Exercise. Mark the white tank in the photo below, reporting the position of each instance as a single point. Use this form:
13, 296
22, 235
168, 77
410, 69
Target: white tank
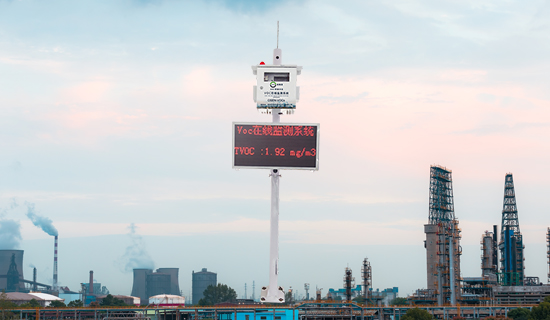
167, 300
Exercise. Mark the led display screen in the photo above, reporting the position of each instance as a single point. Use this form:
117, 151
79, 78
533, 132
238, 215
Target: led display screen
269, 145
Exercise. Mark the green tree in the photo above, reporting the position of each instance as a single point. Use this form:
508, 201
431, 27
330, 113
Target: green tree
110, 301
6, 304
542, 311
519, 314
217, 294
31, 304
57, 304
417, 314
399, 302
288, 297
75, 303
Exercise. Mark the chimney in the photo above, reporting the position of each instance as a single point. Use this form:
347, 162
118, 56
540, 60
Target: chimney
55, 265
91, 288
34, 286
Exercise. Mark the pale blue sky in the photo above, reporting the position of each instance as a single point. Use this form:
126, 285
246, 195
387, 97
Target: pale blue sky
114, 113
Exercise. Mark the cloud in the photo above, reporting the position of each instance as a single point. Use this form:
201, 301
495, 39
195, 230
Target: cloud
10, 234
341, 99
503, 129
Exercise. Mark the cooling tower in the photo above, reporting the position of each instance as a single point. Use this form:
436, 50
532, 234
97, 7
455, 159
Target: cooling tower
158, 283
5, 260
174, 279
139, 289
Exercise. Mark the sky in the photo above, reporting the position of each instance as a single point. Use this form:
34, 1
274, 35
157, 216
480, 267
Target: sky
115, 130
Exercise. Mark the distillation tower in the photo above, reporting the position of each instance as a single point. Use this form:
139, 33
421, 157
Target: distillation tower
443, 239
489, 254
349, 283
366, 274
511, 241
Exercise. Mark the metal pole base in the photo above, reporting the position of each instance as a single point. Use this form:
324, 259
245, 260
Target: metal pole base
274, 295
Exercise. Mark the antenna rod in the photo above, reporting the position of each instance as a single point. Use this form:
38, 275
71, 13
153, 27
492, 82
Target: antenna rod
277, 34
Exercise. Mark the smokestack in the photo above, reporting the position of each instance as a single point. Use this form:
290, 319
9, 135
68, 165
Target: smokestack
91, 288
55, 265
34, 286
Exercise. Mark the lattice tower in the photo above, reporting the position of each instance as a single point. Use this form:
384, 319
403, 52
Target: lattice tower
441, 196
509, 209
511, 240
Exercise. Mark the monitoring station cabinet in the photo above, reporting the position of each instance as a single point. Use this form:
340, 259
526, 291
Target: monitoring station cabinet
276, 87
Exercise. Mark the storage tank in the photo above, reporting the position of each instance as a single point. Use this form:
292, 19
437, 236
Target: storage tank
5, 260
167, 300
201, 281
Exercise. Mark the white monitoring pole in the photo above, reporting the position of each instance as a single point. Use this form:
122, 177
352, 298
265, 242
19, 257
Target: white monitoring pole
275, 146
274, 293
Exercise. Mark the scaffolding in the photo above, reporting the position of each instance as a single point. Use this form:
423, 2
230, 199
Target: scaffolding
511, 241
478, 290
444, 267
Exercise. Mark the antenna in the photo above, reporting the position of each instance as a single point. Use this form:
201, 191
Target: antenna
277, 34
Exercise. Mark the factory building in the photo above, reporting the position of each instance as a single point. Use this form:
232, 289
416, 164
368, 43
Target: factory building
148, 283
201, 280
43, 299
442, 239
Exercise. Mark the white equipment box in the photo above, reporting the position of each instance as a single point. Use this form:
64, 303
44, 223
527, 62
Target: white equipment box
276, 87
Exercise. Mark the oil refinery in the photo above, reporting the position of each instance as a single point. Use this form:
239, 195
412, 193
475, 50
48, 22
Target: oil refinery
501, 281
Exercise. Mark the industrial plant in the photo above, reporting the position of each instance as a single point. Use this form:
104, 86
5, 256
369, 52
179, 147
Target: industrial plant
504, 285
501, 281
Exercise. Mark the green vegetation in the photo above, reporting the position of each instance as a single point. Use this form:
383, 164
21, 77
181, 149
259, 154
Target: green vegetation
57, 304
288, 297
5, 304
75, 304
399, 302
217, 294
519, 314
110, 301
540, 312
31, 304
417, 314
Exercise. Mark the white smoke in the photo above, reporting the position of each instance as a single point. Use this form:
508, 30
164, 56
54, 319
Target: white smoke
44, 223
136, 256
